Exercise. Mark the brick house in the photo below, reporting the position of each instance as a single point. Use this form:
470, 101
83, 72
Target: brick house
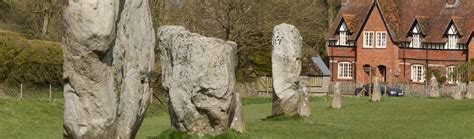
398, 40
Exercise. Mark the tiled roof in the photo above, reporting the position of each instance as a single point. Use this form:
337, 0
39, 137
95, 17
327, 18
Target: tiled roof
433, 18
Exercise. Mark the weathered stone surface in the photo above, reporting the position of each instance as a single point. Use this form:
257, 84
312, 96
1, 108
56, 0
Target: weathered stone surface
108, 57
461, 88
303, 108
286, 69
199, 78
434, 91
336, 98
470, 91
238, 116
377, 93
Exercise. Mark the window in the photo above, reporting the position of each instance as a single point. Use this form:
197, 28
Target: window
452, 38
343, 34
416, 42
418, 73
368, 39
381, 40
344, 70
449, 74
452, 41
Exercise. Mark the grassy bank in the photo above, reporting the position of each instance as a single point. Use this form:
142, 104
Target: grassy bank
403, 117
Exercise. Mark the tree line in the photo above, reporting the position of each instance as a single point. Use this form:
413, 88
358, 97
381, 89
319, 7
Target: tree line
249, 23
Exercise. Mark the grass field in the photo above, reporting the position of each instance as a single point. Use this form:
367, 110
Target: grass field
404, 117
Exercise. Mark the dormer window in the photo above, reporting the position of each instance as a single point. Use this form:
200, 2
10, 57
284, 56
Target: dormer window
343, 34
452, 38
416, 38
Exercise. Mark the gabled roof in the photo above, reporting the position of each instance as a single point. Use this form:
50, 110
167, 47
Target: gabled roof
354, 13
399, 16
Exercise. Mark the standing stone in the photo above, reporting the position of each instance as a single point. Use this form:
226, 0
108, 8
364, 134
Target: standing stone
304, 108
238, 116
336, 98
470, 91
286, 69
377, 93
434, 92
108, 56
460, 89
199, 78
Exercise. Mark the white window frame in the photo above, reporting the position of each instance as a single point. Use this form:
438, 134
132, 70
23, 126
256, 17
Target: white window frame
368, 39
343, 37
452, 41
418, 73
381, 39
452, 38
449, 71
416, 41
344, 70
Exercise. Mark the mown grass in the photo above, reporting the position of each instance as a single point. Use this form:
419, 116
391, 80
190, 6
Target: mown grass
402, 117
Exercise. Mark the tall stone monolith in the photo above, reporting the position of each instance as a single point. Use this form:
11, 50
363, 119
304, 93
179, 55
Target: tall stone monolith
199, 78
336, 98
470, 91
434, 91
460, 90
304, 108
286, 68
109, 54
377, 92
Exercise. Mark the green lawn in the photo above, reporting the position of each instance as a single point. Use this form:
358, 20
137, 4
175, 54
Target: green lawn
404, 117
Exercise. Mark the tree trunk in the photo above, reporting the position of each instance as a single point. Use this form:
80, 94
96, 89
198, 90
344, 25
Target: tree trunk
46, 19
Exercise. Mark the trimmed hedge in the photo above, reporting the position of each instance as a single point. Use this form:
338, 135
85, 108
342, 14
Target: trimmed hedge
29, 61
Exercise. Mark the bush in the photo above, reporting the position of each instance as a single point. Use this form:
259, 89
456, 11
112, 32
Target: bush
29, 61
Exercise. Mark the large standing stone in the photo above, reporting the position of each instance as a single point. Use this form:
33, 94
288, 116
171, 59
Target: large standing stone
377, 92
108, 57
470, 91
303, 108
336, 98
286, 69
460, 89
434, 92
199, 78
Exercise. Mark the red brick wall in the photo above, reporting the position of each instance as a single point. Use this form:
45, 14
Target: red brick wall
471, 49
374, 57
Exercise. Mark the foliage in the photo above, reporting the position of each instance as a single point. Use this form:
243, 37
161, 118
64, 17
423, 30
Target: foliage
35, 19
464, 72
440, 77
29, 61
249, 23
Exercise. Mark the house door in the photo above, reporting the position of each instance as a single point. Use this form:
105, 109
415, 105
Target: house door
382, 72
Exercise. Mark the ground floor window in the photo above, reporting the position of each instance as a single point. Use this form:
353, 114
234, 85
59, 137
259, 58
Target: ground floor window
449, 74
344, 70
418, 73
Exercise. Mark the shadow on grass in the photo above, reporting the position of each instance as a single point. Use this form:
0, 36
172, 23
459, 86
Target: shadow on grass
283, 117
173, 134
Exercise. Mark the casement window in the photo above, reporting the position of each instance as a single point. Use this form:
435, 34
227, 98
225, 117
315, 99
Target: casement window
343, 34
416, 41
452, 38
368, 39
344, 70
343, 38
381, 40
418, 73
452, 41
449, 74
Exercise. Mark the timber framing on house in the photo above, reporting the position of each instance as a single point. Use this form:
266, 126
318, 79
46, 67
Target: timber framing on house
399, 40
